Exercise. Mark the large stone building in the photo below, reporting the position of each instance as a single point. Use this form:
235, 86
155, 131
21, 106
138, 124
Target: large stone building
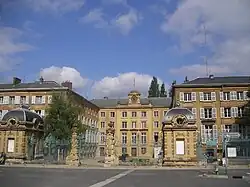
38, 96
216, 103
137, 121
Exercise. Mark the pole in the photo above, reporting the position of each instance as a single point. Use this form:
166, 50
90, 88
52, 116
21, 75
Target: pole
226, 162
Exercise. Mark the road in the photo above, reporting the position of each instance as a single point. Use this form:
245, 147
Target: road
48, 177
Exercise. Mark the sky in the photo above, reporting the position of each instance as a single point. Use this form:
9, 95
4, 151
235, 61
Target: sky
102, 46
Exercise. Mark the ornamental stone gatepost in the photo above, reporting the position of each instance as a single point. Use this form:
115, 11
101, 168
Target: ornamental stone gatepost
73, 157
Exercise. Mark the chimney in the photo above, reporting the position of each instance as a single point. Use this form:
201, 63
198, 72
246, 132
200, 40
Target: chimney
67, 84
105, 98
211, 76
16, 80
41, 80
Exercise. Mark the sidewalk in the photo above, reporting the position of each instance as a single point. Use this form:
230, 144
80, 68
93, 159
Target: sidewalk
54, 166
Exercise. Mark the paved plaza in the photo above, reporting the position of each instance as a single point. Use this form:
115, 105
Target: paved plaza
61, 177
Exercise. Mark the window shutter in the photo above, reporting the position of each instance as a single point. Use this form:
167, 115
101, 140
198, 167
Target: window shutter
49, 99
213, 96
33, 99
17, 100
245, 95
202, 113
222, 114
194, 111
181, 96
214, 113
193, 96
215, 133
201, 96
203, 138
27, 100
221, 96
43, 99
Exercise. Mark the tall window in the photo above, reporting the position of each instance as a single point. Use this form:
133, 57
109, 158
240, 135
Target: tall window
144, 138
133, 141
124, 125
102, 114
187, 96
133, 124
240, 95
207, 96
12, 100
134, 114
240, 111
143, 114
156, 113
124, 138
227, 112
124, 114
23, 99
208, 113
143, 124
103, 137
102, 124
156, 124
226, 96
112, 114
208, 132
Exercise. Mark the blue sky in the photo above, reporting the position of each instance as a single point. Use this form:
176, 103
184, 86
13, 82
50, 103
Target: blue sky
103, 45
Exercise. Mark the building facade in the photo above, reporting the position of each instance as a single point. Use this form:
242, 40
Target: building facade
216, 103
137, 123
38, 96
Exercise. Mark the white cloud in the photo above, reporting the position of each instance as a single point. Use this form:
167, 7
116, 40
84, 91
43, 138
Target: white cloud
121, 85
228, 30
55, 6
61, 74
124, 22
9, 47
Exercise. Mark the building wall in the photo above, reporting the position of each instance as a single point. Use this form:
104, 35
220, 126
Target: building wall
150, 128
40, 100
218, 107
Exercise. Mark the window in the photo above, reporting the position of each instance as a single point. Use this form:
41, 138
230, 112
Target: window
124, 114
112, 114
156, 113
207, 96
244, 131
102, 124
240, 111
134, 114
38, 112
209, 132
23, 99
12, 100
124, 138
103, 137
143, 138
102, 114
226, 96
240, 95
227, 128
124, 125
133, 124
38, 99
187, 96
143, 124
227, 112
156, 124
133, 138
143, 150
133, 151
102, 151
208, 113
124, 150
143, 114
1, 100
156, 136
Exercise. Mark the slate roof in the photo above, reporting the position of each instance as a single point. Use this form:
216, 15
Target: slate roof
112, 103
230, 80
33, 85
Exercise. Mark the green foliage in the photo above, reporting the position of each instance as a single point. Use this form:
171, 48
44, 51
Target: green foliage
154, 88
62, 116
163, 92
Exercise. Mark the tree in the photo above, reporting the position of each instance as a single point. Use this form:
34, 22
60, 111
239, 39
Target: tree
154, 88
62, 116
163, 92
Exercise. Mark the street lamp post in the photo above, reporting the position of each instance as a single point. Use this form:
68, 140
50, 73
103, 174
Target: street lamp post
138, 146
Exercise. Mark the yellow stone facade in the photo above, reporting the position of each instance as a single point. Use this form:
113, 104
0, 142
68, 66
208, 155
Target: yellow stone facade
38, 96
216, 104
137, 121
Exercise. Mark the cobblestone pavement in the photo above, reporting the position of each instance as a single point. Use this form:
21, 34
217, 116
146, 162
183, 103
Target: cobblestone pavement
61, 177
